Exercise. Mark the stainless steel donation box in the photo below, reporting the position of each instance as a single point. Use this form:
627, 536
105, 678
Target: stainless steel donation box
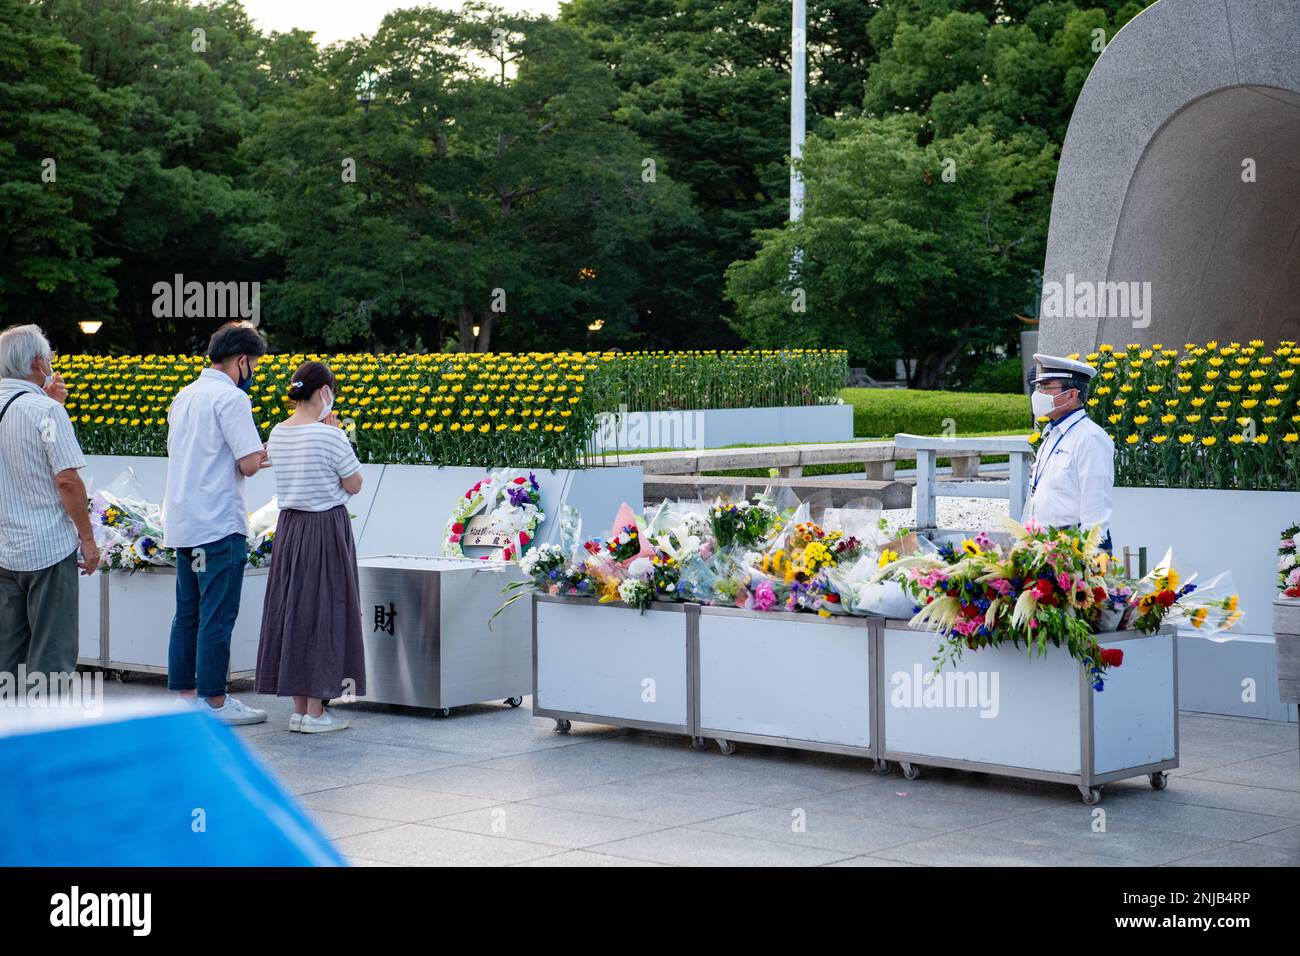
427, 634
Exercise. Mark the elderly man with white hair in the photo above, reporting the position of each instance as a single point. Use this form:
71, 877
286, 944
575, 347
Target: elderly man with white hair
44, 515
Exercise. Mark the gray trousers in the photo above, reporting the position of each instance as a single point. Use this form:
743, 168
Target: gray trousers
39, 623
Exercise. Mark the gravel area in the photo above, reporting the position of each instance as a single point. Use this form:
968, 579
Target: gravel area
958, 514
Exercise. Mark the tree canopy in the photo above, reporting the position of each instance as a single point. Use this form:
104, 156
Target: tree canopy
617, 176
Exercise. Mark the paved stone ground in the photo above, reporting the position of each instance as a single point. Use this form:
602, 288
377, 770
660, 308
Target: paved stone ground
491, 785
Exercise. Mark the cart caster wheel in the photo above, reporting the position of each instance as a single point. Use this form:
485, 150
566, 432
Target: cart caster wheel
1091, 795
1159, 780
882, 766
514, 701
726, 747
563, 726
442, 711
910, 771
699, 743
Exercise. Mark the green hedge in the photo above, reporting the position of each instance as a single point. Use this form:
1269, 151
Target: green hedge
884, 412
758, 378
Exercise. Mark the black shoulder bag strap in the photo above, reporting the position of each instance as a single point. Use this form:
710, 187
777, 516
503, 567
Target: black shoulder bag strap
8, 403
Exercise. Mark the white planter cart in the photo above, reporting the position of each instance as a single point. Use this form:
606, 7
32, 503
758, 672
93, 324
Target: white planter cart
787, 680
611, 664
1001, 711
135, 622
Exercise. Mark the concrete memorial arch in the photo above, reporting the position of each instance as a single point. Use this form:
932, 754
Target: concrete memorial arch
1179, 183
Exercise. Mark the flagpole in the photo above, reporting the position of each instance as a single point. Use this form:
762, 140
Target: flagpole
798, 89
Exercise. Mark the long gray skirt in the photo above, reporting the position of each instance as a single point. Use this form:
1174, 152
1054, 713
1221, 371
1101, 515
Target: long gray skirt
311, 642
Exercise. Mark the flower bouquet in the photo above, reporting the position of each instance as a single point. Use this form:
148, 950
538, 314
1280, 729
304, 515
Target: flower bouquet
1288, 564
128, 528
1049, 586
261, 533
748, 524
1163, 597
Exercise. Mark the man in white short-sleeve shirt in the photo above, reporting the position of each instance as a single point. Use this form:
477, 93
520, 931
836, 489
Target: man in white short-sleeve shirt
212, 446
44, 519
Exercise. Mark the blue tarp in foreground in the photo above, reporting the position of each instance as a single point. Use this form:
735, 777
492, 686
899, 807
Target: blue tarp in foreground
169, 789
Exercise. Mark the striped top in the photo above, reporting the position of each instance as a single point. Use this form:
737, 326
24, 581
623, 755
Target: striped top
308, 462
36, 443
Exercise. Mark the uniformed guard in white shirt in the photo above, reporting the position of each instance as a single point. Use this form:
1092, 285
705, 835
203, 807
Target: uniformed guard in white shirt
1073, 474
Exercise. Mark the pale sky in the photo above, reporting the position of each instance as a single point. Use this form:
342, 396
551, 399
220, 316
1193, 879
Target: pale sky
333, 20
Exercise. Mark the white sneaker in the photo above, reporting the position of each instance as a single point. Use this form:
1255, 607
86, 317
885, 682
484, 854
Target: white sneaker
322, 724
233, 712
295, 723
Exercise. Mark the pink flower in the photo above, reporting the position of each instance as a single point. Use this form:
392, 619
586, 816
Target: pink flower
1002, 586
764, 596
1033, 526
1033, 623
454, 538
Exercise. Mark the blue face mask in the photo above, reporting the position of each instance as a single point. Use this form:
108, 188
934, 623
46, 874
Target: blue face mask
245, 383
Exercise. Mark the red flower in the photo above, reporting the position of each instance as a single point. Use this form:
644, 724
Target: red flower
1099, 594
833, 598
1112, 656
523, 537
1166, 598
519, 481
458, 528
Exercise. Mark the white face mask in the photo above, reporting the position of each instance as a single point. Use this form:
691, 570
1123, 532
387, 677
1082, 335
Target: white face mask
326, 401
49, 377
1042, 404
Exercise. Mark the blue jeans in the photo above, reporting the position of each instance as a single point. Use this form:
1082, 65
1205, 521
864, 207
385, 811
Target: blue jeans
209, 582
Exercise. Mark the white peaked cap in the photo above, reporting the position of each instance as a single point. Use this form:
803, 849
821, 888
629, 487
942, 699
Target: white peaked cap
1055, 366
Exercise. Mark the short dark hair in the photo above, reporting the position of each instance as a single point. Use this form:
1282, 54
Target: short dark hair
310, 378
235, 338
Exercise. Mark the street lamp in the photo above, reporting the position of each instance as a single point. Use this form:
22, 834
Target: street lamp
88, 328
366, 88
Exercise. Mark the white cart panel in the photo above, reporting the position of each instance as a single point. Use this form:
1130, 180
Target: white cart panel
998, 706
785, 676
612, 661
1135, 717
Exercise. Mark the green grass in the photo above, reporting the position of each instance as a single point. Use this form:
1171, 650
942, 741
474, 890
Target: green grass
888, 411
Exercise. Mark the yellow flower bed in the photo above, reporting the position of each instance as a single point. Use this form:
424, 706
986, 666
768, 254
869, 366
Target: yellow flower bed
1201, 416
537, 409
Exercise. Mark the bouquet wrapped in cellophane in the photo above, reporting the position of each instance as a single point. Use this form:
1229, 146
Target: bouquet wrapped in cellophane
1047, 586
128, 528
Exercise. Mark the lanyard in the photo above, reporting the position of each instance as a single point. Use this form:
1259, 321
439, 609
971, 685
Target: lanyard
1040, 465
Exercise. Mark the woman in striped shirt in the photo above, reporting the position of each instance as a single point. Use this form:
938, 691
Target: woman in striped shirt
311, 646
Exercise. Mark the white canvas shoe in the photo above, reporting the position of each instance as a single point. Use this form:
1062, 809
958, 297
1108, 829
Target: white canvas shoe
233, 712
295, 723
322, 724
